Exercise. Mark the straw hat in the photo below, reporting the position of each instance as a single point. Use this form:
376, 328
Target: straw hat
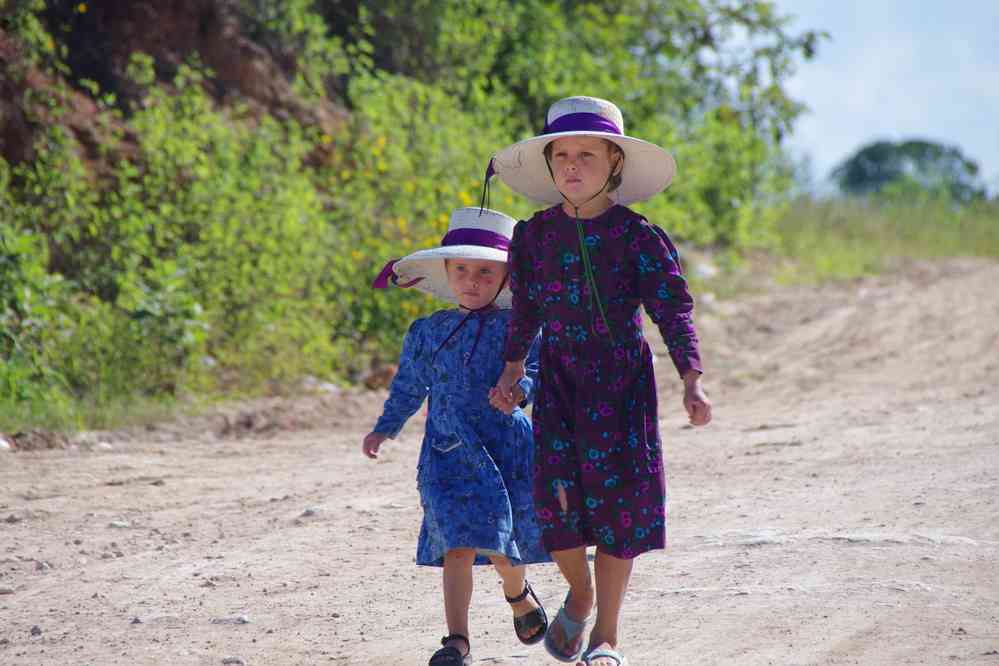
472, 233
648, 169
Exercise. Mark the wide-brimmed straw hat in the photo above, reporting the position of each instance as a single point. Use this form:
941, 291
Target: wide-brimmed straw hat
648, 169
472, 233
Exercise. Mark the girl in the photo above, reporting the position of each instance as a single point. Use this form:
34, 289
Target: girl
475, 463
582, 268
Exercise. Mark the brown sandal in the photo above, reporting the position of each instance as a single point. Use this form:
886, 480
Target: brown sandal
450, 655
535, 618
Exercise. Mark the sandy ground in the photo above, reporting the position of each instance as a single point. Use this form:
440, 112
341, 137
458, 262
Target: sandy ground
843, 508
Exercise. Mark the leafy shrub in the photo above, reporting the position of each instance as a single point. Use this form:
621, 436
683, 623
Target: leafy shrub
218, 249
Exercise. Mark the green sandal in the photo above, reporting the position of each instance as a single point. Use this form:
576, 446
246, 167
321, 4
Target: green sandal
571, 629
605, 653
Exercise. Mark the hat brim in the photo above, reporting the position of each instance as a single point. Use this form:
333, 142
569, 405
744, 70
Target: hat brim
429, 266
648, 169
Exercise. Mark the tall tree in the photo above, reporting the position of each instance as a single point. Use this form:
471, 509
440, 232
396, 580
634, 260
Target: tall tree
914, 164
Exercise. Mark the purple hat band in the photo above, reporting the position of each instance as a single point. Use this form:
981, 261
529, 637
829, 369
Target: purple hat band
478, 237
581, 122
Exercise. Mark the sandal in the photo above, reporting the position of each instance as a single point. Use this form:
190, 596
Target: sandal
571, 629
450, 655
534, 619
605, 653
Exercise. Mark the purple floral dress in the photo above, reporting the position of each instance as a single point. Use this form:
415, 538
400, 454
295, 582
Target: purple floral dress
596, 433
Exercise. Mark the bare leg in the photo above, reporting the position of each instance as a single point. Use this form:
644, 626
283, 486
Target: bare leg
612, 575
513, 584
576, 571
458, 593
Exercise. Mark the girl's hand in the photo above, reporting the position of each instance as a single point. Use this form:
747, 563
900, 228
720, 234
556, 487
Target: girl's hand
506, 404
513, 371
695, 401
372, 441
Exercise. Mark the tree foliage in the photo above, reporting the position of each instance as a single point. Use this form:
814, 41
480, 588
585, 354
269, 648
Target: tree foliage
201, 245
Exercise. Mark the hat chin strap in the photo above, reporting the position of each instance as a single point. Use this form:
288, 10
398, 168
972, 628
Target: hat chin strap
472, 311
576, 206
583, 252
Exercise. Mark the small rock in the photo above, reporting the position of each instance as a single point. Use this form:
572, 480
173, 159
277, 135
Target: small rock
12, 519
103, 446
705, 270
6, 590
5, 445
42, 565
39, 440
119, 524
240, 619
234, 661
311, 511
158, 482
136, 620
36, 630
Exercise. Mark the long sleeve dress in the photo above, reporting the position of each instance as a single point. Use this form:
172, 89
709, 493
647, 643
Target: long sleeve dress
599, 477
474, 470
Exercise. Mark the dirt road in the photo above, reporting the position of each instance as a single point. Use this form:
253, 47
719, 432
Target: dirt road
843, 508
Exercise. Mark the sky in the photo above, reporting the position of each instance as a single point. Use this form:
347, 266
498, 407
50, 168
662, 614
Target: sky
894, 70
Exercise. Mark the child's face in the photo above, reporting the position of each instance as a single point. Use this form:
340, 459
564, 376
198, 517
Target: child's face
581, 165
474, 282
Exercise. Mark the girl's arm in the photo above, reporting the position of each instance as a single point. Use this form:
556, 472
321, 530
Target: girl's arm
663, 291
526, 318
410, 386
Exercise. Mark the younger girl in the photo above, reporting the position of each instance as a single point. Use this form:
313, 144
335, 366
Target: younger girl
475, 463
582, 268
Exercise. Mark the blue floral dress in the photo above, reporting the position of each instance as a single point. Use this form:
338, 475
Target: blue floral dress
474, 471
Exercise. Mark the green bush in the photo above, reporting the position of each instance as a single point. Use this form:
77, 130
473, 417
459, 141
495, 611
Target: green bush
217, 249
